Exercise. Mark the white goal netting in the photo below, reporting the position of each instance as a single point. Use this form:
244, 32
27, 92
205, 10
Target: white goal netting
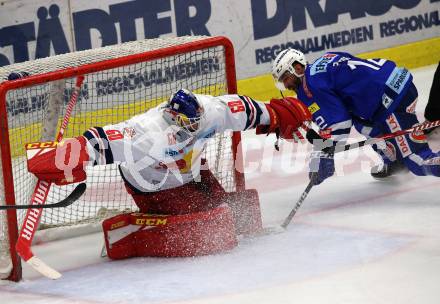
109, 94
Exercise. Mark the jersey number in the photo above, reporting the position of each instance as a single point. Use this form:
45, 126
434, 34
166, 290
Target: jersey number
375, 64
236, 106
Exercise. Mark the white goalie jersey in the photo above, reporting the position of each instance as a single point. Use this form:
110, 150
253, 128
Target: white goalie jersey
154, 155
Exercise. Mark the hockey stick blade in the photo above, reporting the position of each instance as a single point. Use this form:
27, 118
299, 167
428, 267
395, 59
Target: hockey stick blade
43, 268
269, 230
26, 235
73, 197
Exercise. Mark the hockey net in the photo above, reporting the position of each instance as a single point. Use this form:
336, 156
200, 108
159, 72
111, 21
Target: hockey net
120, 82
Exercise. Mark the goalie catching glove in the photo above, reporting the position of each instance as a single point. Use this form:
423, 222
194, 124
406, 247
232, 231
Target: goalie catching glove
288, 117
61, 163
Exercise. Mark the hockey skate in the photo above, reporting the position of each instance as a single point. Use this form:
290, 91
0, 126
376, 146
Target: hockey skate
384, 170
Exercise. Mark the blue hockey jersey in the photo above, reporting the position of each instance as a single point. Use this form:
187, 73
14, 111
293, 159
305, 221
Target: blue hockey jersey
341, 90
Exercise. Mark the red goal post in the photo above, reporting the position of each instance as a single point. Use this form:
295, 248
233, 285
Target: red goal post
120, 81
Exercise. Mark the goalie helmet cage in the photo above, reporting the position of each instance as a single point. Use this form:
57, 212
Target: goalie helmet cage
120, 81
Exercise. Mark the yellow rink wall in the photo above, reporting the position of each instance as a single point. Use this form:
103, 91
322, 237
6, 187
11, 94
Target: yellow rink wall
413, 55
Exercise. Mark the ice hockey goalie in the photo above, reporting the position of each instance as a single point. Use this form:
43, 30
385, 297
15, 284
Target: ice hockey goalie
183, 210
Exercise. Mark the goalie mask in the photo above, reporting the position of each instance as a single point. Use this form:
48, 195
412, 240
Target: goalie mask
284, 65
184, 110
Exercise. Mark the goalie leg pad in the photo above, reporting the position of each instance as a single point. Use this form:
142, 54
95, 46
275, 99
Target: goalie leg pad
200, 233
204, 196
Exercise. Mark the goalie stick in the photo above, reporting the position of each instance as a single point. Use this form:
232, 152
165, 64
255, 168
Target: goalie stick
73, 197
38, 198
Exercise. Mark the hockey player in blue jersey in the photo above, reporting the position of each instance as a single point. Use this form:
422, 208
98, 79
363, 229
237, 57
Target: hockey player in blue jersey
374, 95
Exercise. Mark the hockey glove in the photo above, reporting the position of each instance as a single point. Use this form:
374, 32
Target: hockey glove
321, 166
287, 117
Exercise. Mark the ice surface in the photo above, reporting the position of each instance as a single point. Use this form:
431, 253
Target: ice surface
354, 240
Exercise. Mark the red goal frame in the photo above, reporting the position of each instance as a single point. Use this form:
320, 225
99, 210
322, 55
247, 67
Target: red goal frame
231, 82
